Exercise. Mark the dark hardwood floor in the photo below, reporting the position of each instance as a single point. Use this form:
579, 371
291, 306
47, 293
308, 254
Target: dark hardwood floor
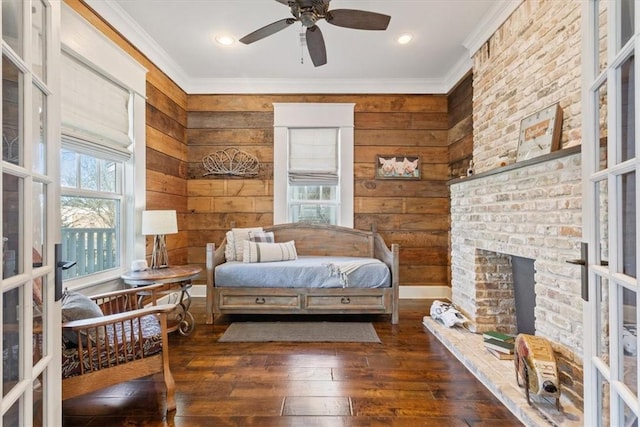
408, 380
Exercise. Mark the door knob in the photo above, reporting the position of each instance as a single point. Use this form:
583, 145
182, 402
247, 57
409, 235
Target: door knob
60, 265
584, 267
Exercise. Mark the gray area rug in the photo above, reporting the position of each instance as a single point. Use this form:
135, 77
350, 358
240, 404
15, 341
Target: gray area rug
300, 332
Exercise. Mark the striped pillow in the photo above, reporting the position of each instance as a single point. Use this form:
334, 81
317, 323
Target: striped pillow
268, 252
262, 236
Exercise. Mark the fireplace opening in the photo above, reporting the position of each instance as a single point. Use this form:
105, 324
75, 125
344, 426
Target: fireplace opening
524, 294
505, 292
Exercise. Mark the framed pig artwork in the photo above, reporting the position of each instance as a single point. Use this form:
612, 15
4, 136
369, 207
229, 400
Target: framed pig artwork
397, 167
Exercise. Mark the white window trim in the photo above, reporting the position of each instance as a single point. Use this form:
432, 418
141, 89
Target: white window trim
81, 40
313, 115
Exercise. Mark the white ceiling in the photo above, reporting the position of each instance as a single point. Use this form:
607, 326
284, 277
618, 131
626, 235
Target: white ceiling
178, 36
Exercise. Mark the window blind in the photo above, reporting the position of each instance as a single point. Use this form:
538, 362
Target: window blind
94, 108
313, 156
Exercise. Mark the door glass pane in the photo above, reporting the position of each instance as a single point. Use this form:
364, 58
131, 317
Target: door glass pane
602, 308
12, 212
602, 131
629, 341
627, 111
604, 402
39, 296
38, 401
628, 231
630, 418
626, 21
11, 339
38, 38
39, 134
12, 24
12, 417
39, 223
601, 26
12, 97
602, 194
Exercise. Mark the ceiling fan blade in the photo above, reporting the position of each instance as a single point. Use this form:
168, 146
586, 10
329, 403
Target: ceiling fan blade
267, 30
358, 19
315, 44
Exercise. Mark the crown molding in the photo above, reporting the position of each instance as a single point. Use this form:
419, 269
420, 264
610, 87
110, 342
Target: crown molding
493, 20
457, 73
318, 86
119, 19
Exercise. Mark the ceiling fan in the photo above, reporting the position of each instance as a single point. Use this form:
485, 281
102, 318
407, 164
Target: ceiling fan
308, 12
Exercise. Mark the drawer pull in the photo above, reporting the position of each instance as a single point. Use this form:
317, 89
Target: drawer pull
260, 300
345, 300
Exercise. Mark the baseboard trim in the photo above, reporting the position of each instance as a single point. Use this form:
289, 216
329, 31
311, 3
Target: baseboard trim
425, 292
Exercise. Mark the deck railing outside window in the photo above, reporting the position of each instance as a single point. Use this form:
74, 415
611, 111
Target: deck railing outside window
93, 249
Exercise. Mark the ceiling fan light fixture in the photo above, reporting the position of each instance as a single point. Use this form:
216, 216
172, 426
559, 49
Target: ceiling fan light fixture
308, 18
405, 38
225, 39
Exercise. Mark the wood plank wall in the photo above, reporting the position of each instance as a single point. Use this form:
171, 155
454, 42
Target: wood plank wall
414, 214
165, 138
460, 127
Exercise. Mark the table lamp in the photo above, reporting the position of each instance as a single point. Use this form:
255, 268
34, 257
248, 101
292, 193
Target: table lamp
158, 224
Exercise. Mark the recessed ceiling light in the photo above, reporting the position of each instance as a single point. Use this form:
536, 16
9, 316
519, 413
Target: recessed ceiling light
405, 38
225, 39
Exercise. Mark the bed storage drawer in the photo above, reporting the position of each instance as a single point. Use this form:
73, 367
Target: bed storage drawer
259, 301
346, 302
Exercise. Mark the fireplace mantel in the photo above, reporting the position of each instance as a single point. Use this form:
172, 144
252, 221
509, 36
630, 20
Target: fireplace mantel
541, 159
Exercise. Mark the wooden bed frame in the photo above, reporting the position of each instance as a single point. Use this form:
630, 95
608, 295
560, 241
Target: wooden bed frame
311, 239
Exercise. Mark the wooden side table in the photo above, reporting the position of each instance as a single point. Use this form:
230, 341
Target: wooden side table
178, 279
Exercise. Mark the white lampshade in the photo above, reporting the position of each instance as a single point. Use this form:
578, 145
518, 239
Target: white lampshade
159, 222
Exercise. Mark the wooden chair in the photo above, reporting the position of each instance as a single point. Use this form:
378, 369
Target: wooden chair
125, 344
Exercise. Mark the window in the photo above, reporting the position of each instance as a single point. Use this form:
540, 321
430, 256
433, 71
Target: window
102, 161
95, 151
91, 203
313, 163
314, 192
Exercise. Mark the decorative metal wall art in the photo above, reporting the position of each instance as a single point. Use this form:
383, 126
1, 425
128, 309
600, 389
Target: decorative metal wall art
230, 161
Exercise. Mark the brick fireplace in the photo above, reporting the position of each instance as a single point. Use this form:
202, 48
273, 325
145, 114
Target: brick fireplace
530, 209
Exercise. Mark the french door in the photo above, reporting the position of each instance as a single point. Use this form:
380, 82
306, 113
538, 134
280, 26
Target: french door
30, 148
610, 177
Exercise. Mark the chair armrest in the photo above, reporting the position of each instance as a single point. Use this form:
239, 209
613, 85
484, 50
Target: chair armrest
124, 300
126, 291
96, 322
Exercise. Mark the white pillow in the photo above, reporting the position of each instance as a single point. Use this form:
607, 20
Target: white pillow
235, 237
269, 252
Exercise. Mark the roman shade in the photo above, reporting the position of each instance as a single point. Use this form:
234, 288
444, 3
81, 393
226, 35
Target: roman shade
94, 109
313, 156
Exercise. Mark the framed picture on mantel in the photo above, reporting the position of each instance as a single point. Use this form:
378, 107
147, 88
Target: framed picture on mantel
540, 133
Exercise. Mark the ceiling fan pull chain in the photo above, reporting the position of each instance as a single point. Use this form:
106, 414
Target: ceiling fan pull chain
303, 44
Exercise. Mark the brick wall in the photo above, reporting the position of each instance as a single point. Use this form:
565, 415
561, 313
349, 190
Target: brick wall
531, 62
533, 211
